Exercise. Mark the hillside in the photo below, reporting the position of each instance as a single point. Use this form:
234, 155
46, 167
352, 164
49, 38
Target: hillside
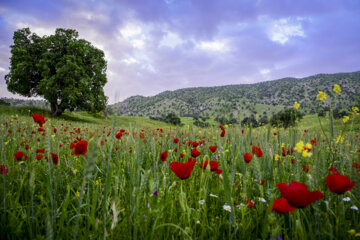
242, 100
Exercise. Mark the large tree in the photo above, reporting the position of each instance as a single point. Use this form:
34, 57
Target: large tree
68, 72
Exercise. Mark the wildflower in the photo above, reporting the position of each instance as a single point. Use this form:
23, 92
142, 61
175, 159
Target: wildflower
354, 207
38, 118
201, 202
213, 195
155, 192
227, 208
281, 205
332, 169
277, 157
21, 156
355, 110
352, 231
3, 170
339, 139
346, 199
195, 153
81, 148
118, 135
163, 156
321, 96
248, 157
195, 144
262, 200
257, 151
337, 89
39, 157
298, 195
77, 194
338, 183
213, 148
183, 170
249, 203
214, 166
345, 119
296, 105
176, 140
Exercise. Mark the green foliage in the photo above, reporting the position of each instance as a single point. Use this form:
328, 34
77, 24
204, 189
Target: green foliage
172, 118
66, 71
286, 118
250, 121
246, 99
340, 113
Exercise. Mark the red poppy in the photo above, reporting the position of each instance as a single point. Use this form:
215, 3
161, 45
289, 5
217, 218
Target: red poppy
38, 118
163, 156
275, 133
118, 135
195, 144
55, 158
183, 170
81, 148
39, 157
213, 165
257, 151
313, 142
3, 169
222, 133
195, 153
248, 157
338, 183
182, 155
298, 195
122, 130
281, 205
332, 169
213, 148
141, 135
249, 203
40, 129
176, 140
20, 155
40, 150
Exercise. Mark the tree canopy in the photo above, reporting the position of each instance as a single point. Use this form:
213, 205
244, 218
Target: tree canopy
68, 72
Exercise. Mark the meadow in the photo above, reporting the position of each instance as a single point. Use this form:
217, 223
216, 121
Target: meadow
85, 177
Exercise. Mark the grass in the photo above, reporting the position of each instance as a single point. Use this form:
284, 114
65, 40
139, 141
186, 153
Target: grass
109, 191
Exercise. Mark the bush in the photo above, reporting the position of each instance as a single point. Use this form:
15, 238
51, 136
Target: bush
250, 121
286, 118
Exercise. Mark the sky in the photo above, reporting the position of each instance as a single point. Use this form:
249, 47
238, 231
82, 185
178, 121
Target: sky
156, 45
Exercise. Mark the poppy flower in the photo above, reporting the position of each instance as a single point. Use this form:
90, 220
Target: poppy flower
248, 157
3, 169
249, 203
40, 150
195, 144
38, 118
176, 140
213, 148
281, 205
39, 157
163, 156
332, 169
81, 148
118, 136
298, 195
183, 170
20, 155
213, 165
195, 153
338, 183
257, 151
182, 155
55, 158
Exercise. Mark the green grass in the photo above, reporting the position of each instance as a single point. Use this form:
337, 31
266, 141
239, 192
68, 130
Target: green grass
108, 193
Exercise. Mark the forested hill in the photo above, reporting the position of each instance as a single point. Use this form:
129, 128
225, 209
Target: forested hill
263, 98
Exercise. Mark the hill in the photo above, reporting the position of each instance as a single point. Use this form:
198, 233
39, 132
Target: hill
238, 101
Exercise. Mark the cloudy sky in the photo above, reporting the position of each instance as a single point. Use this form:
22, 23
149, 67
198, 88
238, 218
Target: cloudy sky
157, 45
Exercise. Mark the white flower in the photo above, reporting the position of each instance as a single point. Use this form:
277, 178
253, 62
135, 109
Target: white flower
197, 222
227, 208
201, 202
346, 199
354, 208
240, 205
213, 195
262, 200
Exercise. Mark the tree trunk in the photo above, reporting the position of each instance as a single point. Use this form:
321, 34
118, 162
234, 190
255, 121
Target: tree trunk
55, 109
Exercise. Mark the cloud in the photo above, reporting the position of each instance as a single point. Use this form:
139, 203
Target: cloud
153, 46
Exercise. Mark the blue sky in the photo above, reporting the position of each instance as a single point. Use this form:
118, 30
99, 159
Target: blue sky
154, 45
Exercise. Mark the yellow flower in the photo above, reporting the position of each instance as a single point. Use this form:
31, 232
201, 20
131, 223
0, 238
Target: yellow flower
77, 194
96, 182
355, 110
345, 119
352, 231
299, 147
321, 96
169, 150
339, 139
357, 235
277, 157
296, 105
337, 89
306, 154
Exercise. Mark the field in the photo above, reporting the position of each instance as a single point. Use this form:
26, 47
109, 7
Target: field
123, 186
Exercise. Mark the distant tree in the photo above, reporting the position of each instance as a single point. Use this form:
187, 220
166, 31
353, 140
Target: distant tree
250, 121
4, 103
172, 118
66, 71
286, 118
340, 113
